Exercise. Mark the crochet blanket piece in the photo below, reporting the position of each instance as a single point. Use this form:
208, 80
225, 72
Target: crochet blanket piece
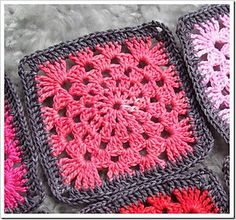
111, 106
205, 39
22, 190
198, 192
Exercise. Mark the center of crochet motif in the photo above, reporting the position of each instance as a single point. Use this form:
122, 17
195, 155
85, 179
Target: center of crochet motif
112, 110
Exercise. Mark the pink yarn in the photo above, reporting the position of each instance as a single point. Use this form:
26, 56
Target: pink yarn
118, 109
211, 44
14, 170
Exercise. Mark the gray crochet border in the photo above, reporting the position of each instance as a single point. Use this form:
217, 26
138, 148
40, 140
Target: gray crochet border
203, 179
28, 69
34, 194
226, 170
184, 28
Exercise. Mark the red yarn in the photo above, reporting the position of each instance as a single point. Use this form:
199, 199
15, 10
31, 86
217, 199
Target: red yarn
186, 201
113, 110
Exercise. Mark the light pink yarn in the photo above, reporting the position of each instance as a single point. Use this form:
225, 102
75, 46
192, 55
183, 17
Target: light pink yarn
211, 44
13, 169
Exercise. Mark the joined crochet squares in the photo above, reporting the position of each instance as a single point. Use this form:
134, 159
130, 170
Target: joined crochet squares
113, 110
211, 44
180, 201
14, 170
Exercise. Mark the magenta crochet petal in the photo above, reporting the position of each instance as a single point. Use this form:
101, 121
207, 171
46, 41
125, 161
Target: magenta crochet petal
22, 189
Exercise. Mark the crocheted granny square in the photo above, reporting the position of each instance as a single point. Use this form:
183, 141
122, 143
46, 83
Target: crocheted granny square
22, 189
204, 36
109, 107
198, 192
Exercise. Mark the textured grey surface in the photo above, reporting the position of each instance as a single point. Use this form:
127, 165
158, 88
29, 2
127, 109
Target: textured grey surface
32, 27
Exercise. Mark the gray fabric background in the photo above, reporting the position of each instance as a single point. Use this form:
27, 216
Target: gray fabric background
32, 27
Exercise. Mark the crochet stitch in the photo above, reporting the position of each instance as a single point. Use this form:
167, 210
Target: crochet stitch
13, 177
204, 36
112, 106
225, 170
198, 192
22, 189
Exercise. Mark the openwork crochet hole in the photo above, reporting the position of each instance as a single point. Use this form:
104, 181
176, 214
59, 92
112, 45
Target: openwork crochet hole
66, 85
143, 152
169, 107
103, 145
76, 119
76, 97
87, 156
163, 155
69, 64
222, 106
103, 173
203, 57
64, 154
115, 158
153, 99
216, 68
106, 73
145, 136
155, 119
115, 60
117, 105
181, 117
160, 83
135, 168
113, 132
165, 210
142, 64
62, 112
48, 102
86, 81
177, 90
70, 137
88, 67
125, 49
165, 134
218, 45
96, 52
144, 81
53, 130
127, 71
88, 104
225, 92
126, 145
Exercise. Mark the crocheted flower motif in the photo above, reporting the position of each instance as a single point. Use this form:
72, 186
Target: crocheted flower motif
211, 44
14, 170
180, 201
113, 110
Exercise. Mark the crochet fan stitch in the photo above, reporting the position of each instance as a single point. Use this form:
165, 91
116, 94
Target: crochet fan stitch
198, 192
22, 189
112, 106
204, 36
